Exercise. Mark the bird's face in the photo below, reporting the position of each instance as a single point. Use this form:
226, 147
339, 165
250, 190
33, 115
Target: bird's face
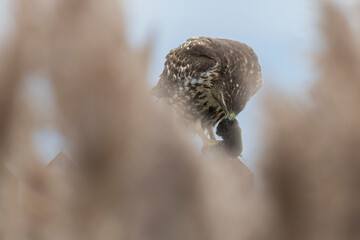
237, 76
231, 99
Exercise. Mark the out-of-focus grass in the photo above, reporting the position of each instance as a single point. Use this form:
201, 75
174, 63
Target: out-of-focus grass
134, 174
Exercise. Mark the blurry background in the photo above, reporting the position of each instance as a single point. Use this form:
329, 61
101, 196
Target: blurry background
67, 68
282, 33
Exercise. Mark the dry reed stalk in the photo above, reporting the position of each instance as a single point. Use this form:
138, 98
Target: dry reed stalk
136, 175
313, 152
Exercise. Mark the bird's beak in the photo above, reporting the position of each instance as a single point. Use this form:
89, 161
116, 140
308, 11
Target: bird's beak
232, 116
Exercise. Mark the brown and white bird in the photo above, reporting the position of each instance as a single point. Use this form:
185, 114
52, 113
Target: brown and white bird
209, 79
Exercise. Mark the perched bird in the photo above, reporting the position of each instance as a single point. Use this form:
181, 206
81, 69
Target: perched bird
209, 79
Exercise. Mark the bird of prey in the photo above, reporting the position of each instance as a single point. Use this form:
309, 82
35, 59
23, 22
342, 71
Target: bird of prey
208, 80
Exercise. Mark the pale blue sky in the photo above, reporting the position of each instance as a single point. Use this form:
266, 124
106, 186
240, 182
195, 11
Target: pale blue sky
282, 33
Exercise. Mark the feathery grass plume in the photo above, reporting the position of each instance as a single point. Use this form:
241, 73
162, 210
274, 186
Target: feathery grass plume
25, 200
313, 152
8, 84
12, 128
136, 175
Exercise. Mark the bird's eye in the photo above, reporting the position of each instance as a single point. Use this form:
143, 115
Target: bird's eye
201, 56
202, 62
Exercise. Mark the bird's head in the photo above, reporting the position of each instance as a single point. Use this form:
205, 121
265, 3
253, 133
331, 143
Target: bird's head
231, 101
239, 76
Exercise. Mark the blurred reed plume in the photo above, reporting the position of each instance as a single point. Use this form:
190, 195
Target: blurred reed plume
133, 174
313, 159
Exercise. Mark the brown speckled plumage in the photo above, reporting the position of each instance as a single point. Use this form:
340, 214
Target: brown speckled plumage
209, 78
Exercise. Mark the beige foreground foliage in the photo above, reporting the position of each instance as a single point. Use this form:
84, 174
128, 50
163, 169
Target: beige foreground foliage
133, 173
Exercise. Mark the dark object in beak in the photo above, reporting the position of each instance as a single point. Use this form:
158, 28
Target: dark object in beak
230, 132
